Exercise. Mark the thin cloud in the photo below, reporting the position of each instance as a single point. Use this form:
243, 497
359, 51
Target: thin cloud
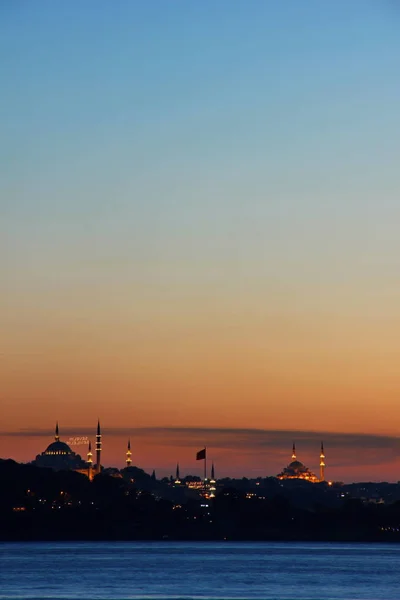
230, 437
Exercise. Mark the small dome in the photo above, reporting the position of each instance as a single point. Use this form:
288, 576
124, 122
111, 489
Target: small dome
58, 448
297, 465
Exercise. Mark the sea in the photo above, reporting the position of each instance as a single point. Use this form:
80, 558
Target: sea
220, 570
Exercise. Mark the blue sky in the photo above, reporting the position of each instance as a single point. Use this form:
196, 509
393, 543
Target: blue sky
160, 110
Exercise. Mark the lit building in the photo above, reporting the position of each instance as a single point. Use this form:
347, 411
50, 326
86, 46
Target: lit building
177, 476
296, 469
213, 483
129, 455
90, 461
322, 463
98, 448
206, 487
59, 456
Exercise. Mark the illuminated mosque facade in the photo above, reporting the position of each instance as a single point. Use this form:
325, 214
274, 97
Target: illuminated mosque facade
59, 457
296, 469
206, 488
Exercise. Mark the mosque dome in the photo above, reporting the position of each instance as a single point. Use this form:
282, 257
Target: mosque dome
296, 465
58, 448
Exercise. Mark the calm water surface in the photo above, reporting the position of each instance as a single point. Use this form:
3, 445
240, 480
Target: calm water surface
199, 570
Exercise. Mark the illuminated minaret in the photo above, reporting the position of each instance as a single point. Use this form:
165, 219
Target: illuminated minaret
294, 452
177, 478
129, 455
90, 460
322, 463
57, 437
177, 475
98, 448
212, 482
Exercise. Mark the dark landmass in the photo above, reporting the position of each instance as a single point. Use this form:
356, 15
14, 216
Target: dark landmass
41, 504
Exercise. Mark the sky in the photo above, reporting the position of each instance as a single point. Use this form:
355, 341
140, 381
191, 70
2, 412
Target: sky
199, 232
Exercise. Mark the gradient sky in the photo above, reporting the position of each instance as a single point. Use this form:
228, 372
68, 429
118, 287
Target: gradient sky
200, 229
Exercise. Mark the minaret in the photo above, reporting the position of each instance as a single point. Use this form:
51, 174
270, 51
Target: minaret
322, 463
57, 437
98, 448
129, 454
294, 452
212, 482
90, 461
177, 478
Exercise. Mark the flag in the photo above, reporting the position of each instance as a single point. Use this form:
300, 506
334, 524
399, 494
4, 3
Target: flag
201, 455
